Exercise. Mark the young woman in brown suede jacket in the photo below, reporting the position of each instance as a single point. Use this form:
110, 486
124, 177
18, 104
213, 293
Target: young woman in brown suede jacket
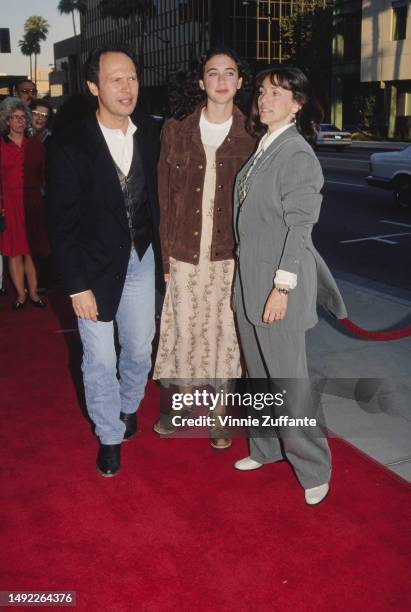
200, 157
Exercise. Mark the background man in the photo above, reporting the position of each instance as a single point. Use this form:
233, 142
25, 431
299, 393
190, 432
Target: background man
26, 91
102, 198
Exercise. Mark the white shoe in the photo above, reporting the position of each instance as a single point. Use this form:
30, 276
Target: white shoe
316, 494
247, 464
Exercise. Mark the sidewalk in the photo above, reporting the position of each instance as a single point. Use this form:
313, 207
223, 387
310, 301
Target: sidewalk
366, 398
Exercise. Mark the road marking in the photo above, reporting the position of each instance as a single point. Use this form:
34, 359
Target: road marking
348, 184
385, 241
377, 238
396, 223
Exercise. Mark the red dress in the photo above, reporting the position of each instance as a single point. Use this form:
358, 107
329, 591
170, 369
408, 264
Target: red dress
22, 178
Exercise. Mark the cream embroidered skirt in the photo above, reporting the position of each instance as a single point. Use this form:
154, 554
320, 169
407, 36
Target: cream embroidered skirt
198, 338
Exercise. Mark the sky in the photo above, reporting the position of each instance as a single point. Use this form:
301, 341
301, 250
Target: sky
13, 14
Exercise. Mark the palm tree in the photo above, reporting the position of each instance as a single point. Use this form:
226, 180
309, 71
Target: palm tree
27, 48
36, 28
67, 7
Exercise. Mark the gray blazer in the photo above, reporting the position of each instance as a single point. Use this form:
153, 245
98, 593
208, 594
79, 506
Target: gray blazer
273, 218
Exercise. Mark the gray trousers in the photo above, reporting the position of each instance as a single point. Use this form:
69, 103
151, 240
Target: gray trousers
277, 354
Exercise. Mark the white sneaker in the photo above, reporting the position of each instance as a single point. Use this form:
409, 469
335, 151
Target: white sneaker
247, 464
316, 494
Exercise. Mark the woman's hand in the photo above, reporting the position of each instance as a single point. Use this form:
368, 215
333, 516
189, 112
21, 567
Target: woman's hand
166, 278
275, 307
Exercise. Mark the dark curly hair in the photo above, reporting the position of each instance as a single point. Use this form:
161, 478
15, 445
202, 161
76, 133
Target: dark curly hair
74, 108
293, 79
185, 93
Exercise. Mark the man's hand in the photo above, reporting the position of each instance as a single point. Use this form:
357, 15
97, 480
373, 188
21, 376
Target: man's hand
275, 307
85, 305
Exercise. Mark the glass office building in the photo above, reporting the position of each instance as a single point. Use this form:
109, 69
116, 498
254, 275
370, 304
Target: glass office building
173, 33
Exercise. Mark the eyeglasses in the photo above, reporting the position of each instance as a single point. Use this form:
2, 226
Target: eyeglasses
35, 112
18, 117
28, 91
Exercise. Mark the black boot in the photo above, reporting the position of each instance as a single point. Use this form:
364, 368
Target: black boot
108, 459
130, 421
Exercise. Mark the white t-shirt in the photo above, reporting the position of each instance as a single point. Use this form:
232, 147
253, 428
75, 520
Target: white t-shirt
213, 134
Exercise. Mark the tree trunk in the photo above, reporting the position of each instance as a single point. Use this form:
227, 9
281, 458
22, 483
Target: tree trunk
74, 23
35, 69
31, 67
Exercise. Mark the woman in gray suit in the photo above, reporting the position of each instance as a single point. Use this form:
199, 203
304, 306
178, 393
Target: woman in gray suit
280, 276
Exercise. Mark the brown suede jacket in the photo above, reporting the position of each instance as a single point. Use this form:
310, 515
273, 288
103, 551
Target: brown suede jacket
181, 173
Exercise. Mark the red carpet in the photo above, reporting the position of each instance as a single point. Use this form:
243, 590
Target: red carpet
178, 529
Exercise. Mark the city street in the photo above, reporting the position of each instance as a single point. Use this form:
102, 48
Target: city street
360, 231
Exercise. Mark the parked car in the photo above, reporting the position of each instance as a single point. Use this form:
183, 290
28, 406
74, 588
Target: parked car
392, 171
330, 135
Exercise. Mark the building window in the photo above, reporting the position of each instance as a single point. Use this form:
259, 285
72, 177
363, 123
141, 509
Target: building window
399, 20
404, 104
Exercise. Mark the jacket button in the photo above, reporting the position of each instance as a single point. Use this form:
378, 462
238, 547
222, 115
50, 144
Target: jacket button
197, 211
117, 277
221, 164
195, 233
216, 254
200, 166
177, 165
219, 209
220, 186
121, 246
218, 231
195, 256
198, 189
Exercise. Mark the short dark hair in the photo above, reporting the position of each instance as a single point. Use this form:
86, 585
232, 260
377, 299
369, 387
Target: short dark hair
21, 81
41, 102
92, 66
292, 78
46, 104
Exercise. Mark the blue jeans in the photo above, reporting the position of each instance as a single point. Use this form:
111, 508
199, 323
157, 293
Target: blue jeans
106, 394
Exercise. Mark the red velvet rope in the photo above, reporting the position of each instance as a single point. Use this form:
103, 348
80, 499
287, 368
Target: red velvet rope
365, 334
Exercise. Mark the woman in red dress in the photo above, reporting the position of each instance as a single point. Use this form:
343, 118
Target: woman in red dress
22, 179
